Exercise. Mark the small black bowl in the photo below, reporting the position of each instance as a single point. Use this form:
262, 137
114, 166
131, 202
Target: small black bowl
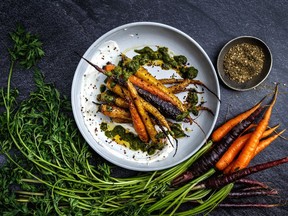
256, 80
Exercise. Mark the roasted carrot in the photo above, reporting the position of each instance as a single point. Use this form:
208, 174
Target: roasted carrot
220, 132
138, 123
143, 74
208, 160
179, 87
249, 149
117, 89
114, 111
155, 112
151, 88
236, 147
165, 107
142, 112
109, 67
112, 99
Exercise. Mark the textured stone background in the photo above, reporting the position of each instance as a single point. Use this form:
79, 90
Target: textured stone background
67, 26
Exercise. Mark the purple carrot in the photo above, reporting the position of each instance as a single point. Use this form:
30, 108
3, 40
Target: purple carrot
248, 181
240, 194
208, 160
247, 205
220, 181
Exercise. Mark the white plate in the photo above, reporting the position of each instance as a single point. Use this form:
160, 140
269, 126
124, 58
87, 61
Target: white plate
129, 37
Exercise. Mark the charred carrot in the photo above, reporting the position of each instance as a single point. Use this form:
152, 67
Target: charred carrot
114, 111
249, 149
220, 132
166, 108
179, 87
151, 88
109, 67
121, 120
143, 74
112, 99
154, 111
220, 181
236, 147
142, 112
208, 160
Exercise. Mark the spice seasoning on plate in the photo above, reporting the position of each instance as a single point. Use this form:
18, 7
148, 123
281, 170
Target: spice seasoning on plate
243, 61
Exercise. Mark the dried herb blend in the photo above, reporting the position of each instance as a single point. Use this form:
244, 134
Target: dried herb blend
243, 61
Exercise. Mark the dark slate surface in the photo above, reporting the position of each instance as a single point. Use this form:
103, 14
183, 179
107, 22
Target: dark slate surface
68, 26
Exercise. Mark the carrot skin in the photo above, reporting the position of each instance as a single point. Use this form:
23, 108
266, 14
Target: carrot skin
218, 182
209, 159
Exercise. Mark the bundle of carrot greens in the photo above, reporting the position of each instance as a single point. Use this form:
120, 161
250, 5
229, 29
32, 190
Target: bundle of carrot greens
51, 170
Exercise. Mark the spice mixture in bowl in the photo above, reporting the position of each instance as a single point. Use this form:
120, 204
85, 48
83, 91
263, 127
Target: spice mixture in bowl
244, 63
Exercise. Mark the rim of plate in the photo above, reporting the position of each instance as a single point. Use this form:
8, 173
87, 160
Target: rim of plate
78, 116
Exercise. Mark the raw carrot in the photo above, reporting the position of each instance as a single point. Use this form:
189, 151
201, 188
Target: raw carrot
220, 132
248, 151
261, 146
222, 180
208, 160
264, 143
236, 147
142, 112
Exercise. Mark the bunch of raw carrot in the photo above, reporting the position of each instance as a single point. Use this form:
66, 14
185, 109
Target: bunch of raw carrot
249, 143
236, 142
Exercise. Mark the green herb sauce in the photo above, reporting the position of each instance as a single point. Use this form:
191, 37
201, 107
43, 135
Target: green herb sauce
123, 137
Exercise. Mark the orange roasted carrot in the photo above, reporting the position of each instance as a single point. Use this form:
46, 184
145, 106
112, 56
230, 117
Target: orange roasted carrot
109, 67
142, 112
249, 149
114, 111
138, 123
151, 88
220, 132
236, 147
143, 74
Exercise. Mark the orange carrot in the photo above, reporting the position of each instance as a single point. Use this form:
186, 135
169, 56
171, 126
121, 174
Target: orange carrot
220, 132
261, 146
264, 143
236, 147
142, 112
138, 123
249, 149
114, 111
109, 67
